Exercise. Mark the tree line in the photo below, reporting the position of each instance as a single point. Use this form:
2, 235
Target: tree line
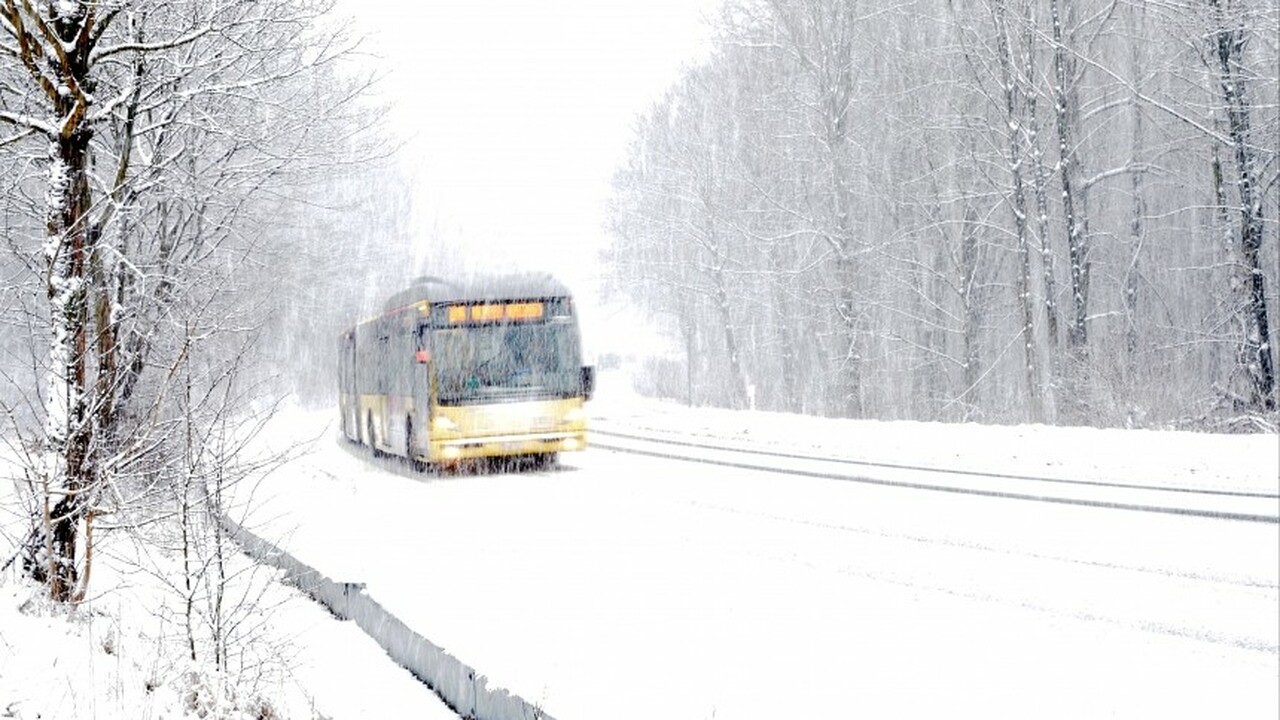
190, 204
1059, 211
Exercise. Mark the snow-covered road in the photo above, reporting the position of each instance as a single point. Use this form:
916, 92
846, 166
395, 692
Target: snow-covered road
628, 586
1177, 496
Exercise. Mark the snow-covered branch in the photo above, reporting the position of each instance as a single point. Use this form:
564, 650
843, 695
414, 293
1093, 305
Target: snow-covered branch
101, 53
29, 122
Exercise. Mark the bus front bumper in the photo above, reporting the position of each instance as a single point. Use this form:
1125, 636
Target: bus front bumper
482, 447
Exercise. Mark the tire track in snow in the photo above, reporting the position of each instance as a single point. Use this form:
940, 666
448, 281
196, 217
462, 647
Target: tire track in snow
1262, 507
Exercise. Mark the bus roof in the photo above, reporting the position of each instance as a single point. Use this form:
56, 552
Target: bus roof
478, 288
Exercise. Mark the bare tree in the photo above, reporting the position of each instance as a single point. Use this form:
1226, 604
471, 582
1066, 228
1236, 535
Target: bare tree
172, 133
1229, 36
905, 242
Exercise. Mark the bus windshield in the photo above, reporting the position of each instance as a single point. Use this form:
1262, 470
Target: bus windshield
500, 362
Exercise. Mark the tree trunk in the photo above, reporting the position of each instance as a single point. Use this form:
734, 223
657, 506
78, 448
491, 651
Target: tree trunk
70, 427
783, 319
850, 378
972, 309
1040, 183
1031, 373
1255, 357
1136, 226
1072, 205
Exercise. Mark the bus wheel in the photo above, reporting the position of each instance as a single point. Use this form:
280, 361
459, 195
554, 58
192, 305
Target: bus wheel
409, 450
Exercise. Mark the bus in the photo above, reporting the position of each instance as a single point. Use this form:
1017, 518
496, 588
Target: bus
467, 369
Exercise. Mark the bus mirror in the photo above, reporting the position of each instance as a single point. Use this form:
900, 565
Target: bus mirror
588, 380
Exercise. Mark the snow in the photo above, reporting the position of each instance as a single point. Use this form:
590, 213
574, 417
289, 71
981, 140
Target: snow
56, 195
1174, 458
625, 586
118, 655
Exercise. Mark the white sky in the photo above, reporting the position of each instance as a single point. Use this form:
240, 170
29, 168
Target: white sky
519, 113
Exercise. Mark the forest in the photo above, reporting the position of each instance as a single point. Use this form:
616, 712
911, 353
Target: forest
1002, 211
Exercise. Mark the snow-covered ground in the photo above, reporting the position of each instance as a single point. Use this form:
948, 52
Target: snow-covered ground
104, 662
120, 654
625, 586
1184, 459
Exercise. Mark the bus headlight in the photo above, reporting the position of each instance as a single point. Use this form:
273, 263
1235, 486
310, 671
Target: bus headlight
574, 416
442, 424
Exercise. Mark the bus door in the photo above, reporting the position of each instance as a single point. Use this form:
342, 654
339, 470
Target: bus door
348, 395
421, 388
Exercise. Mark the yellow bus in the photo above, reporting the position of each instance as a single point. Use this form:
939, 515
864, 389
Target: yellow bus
463, 369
